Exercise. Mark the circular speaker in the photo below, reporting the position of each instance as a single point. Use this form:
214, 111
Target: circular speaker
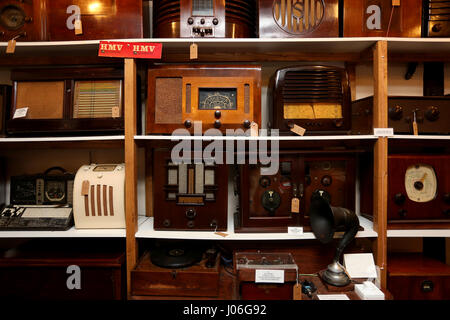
12, 17
321, 218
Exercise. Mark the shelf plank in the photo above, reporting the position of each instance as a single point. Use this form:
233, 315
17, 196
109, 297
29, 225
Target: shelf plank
419, 233
71, 233
91, 142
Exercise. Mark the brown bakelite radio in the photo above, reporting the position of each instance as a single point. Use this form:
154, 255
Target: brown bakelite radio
430, 113
266, 200
189, 196
299, 18
54, 20
419, 191
316, 98
382, 18
204, 18
21, 20
437, 18
221, 97
70, 100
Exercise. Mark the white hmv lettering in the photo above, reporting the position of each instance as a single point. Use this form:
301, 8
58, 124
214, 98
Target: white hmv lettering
373, 22
74, 280
75, 15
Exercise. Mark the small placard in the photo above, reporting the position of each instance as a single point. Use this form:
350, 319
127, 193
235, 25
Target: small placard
118, 49
295, 230
383, 132
78, 27
11, 48
298, 130
332, 297
295, 205
20, 113
269, 276
360, 265
115, 112
254, 129
193, 51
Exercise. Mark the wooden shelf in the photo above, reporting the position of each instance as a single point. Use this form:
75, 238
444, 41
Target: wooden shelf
97, 142
259, 138
146, 230
428, 233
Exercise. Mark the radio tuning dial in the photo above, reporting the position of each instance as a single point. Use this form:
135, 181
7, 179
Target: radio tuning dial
399, 199
395, 113
432, 113
188, 123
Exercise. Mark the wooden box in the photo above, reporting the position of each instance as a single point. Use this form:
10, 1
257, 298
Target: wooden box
67, 100
316, 98
194, 281
416, 277
204, 19
189, 196
379, 18
221, 97
419, 191
39, 270
298, 19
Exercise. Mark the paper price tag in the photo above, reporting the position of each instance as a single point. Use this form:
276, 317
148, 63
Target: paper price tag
295, 230
383, 132
254, 132
298, 130
395, 3
194, 51
115, 112
222, 234
20, 113
85, 188
78, 27
269, 276
415, 128
11, 48
297, 292
295, 205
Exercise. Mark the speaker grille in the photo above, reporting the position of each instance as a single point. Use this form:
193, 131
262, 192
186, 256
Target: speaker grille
97, 99
168, 97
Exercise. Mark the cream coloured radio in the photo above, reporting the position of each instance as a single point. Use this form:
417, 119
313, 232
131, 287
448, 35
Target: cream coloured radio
99, 196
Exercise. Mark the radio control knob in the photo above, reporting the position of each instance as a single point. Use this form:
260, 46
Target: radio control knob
202, 21
418, 185
446, 198
217, 124
402, 213
437, 27
213, 224
190, 224
399, 199
395, 113
326, 181
166, 223
338, 123
188, 123
215, 21
247, 124
217, 114
191, 20
432, 113
191, 214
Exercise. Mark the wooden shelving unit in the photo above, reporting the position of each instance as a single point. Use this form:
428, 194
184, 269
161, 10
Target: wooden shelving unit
378, 51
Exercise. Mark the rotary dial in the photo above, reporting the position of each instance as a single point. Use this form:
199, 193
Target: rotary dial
421, 183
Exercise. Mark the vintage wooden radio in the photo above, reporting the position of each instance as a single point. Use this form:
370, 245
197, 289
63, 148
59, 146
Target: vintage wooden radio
430, 113
177, 269
436, 18
267, 201
190, 196
298, 19
5, 102
316, 98
99, 196
100, 19
67, 100
204, 18
221, 97
419, 191
22, 20
382, 18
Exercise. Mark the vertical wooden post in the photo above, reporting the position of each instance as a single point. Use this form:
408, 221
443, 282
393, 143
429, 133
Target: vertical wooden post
130, 167
380, 120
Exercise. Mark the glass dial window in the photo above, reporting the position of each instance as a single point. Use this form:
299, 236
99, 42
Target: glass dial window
421, 183
55, 190
217, 99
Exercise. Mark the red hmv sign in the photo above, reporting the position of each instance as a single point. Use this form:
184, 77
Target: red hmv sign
118, 49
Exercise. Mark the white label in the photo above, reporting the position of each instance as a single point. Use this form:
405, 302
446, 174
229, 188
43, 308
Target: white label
269, 276
383, 132
295, 230
360, 265
332, 297
20, 113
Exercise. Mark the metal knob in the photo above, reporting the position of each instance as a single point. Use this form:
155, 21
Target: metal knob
166, 223
418, 185
215, 21
217, 114
395, 113
437, 27
427, 286
326, 181
432, 113
188, 123
247, 124
191, 20
217, 124
399, 199
202, 21
191, 214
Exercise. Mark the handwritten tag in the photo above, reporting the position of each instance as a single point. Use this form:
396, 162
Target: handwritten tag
194, 51
85, 188
295, 230
383, 132
115, 112
298, 130
395, 3
415, 128
20, 113
78, 27
297, 292
269, 276
11, 48
254, 130
295, 205
222, 234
